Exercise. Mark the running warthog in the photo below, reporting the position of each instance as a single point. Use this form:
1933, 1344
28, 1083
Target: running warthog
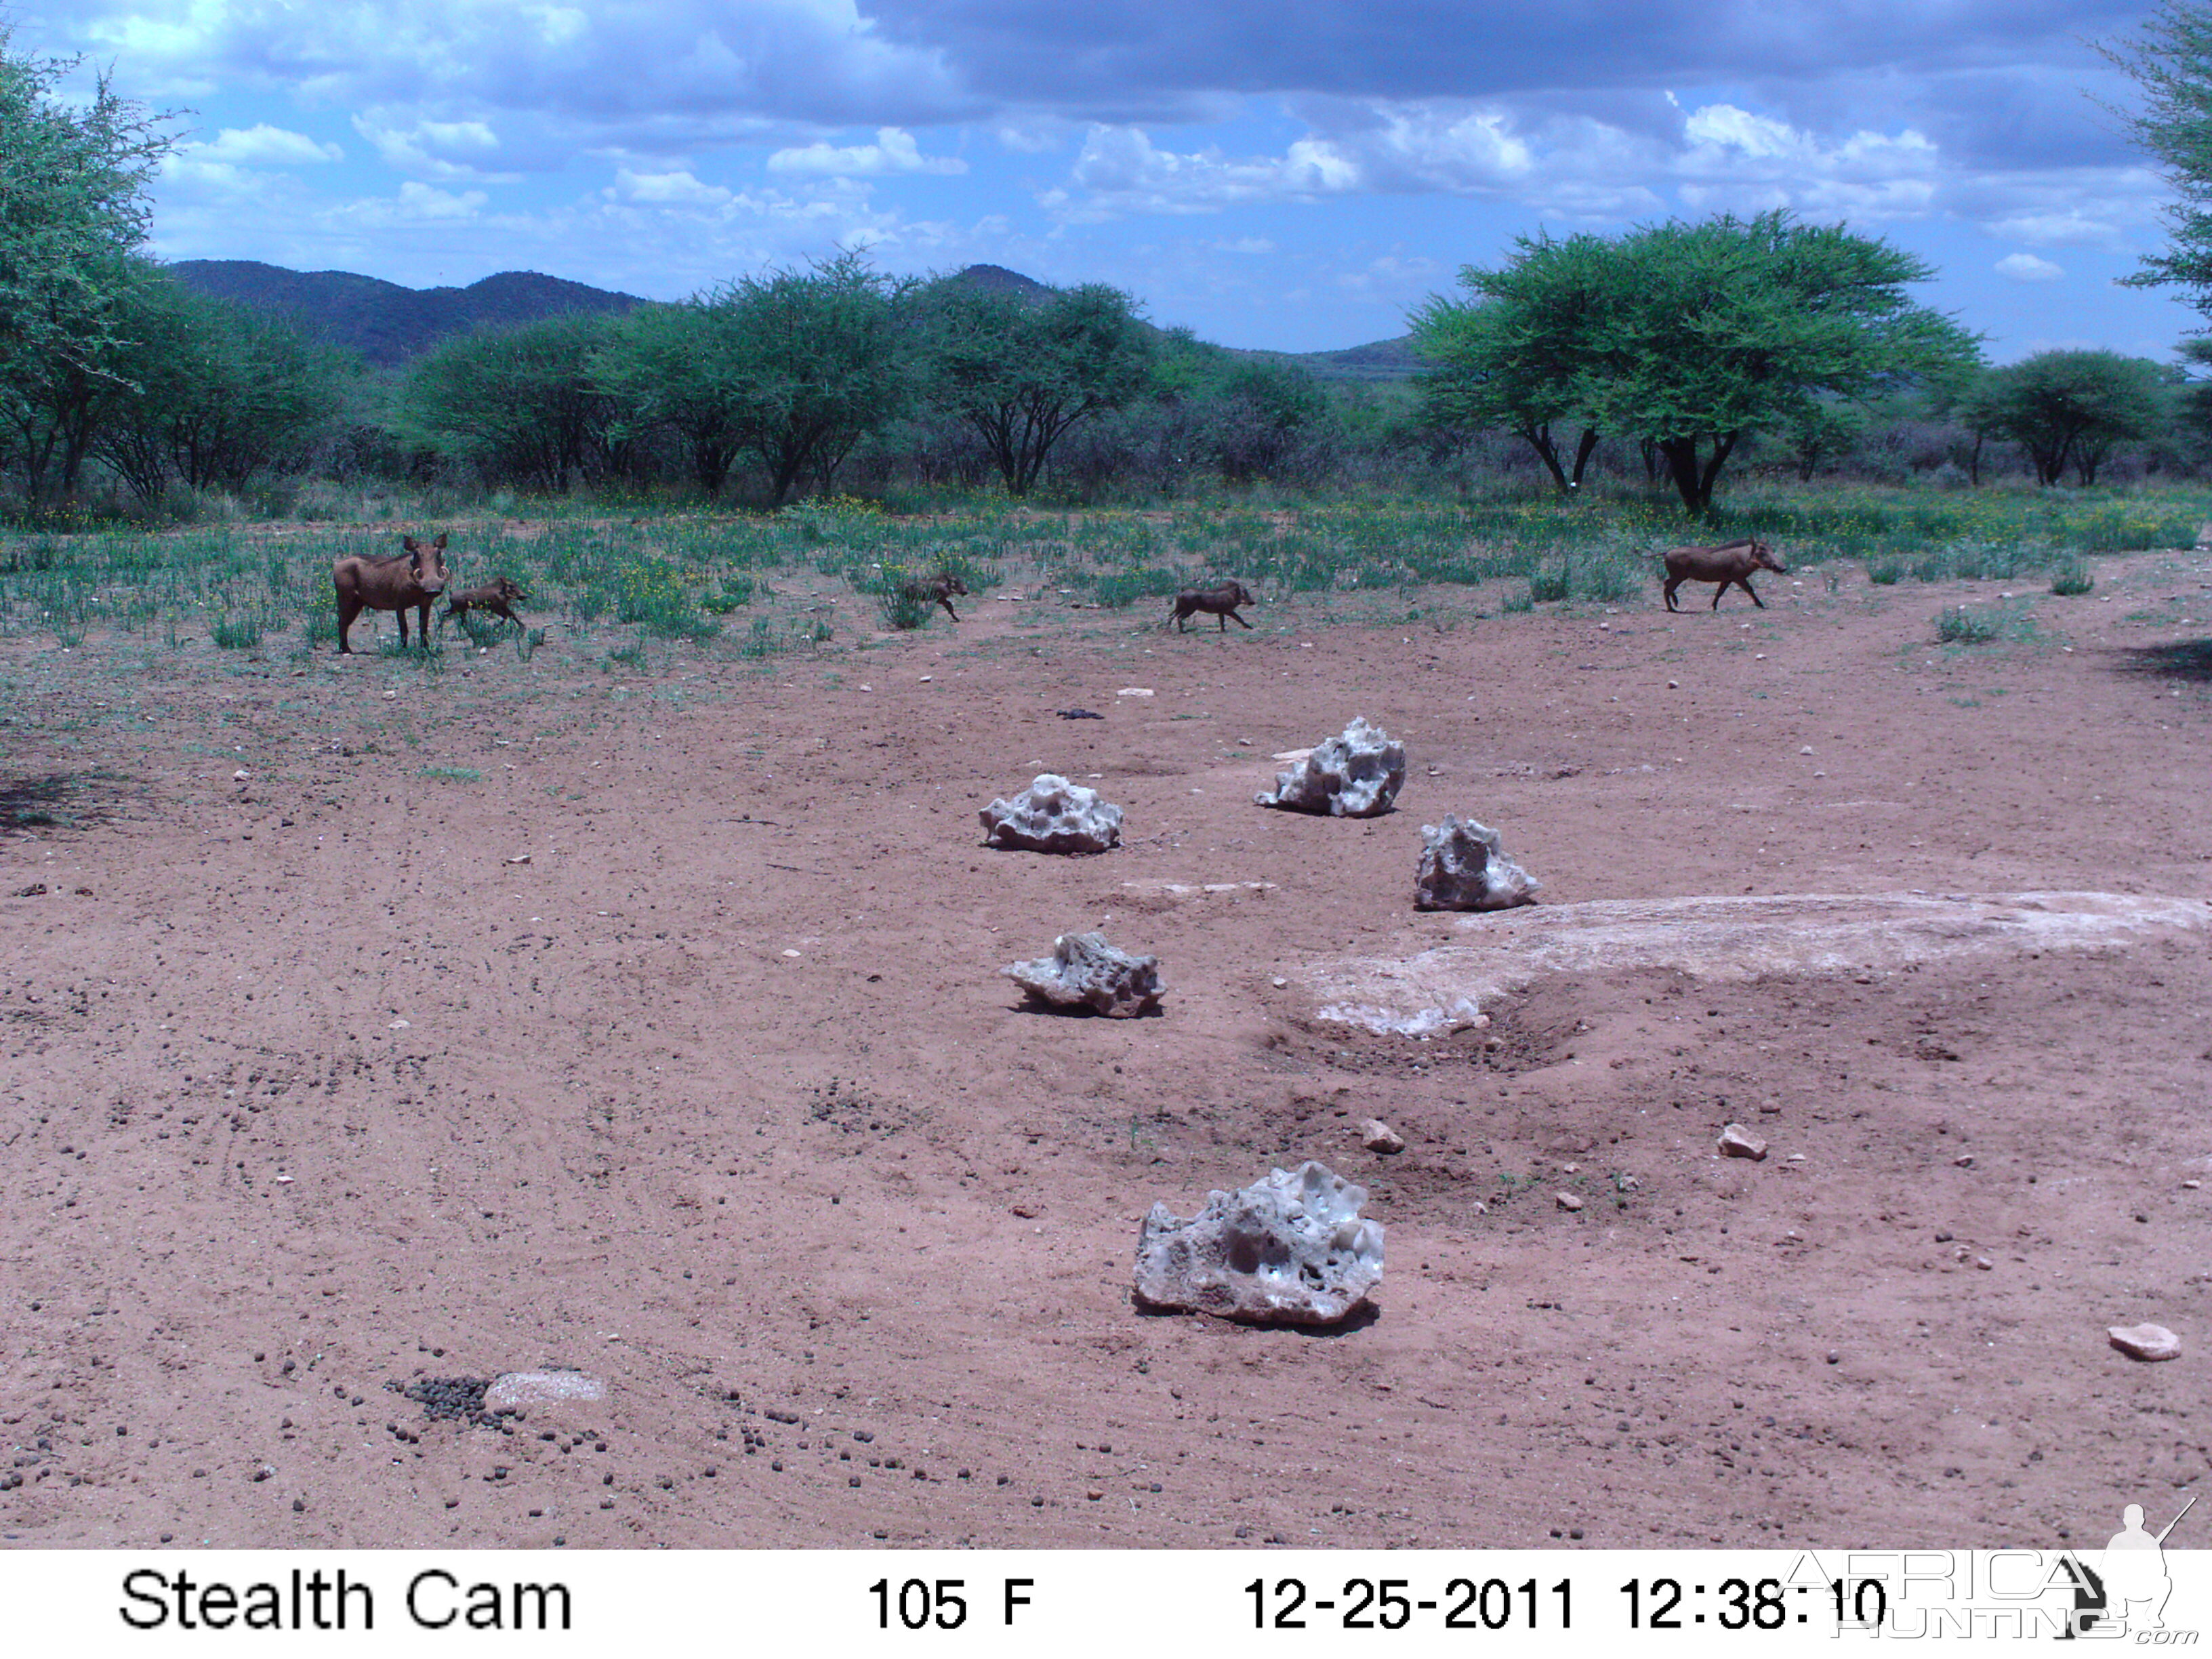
1729, 562
495, 595
1220, 601
406, 581
936, 590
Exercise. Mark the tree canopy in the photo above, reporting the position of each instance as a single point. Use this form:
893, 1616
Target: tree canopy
74, 212
1689, 335
2171, 59
2071, 408
794, 367
1020, 371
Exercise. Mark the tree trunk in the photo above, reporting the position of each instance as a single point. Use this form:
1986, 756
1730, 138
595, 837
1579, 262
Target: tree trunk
1584, 451
1538, 438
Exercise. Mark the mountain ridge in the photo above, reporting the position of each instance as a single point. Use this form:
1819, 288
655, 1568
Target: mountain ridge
388, 323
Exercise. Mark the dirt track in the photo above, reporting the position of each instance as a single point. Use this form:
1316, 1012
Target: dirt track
719, 1095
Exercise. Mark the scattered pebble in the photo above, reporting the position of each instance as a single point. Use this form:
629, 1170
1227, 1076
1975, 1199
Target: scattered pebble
1965, 1162
1736, 1141
1379, 1136
520, 858
2145, 1341
1567, 1202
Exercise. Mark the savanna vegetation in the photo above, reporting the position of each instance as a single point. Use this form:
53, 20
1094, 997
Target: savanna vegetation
1580, 405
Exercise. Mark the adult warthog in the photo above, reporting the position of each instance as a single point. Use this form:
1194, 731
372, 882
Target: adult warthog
1731, 562
406, 581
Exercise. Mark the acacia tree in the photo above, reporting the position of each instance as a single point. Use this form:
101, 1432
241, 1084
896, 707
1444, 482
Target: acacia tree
215, 392
1021, 370
521, 403
74, 211
794, 367
2171, 59
1513, 357
2071, 408
1690, 335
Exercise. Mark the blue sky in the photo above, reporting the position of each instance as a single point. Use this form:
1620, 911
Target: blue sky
1288, 174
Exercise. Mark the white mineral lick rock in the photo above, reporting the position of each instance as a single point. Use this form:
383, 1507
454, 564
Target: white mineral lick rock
1356, 775
1291, 1248
1084, 971
1463, 867
1053, 815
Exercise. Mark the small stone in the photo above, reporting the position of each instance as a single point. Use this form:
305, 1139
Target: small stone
1834, 1358
1379, 1136
2190, 1186
1967, 1162
520, 858
1807, 750
2145, 1341
1567, 1202
1983, 1263
1736, 1141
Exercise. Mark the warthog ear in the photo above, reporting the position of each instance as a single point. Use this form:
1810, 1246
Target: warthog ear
408, 541
440, 542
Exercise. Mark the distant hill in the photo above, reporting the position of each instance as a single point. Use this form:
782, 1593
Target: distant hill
385, 323
388, 323
997, 279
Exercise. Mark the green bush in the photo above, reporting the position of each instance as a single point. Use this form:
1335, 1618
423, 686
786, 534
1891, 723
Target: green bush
1884, 572
2072, 578
1960, 626
902, 610
1548, 584
235, 633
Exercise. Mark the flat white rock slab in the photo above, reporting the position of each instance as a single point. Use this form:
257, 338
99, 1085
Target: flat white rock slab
541, 1388
1723, 938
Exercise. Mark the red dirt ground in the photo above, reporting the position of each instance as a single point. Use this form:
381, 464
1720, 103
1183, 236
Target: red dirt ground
307, 1089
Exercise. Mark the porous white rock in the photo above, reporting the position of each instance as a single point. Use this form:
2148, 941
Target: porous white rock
1053, 815
2144, 1341
1463, 867
1291, 1248
1084, 971
1356, 775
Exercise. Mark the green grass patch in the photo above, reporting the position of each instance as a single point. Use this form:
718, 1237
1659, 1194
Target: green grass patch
453, 774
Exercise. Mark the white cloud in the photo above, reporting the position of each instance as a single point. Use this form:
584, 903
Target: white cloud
894, 151
1749, 162
262, 145
415, 204
451, 150
2027, 268
1120, 170
679, 188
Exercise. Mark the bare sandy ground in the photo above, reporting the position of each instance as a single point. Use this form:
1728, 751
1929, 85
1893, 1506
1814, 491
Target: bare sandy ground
307, 1088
